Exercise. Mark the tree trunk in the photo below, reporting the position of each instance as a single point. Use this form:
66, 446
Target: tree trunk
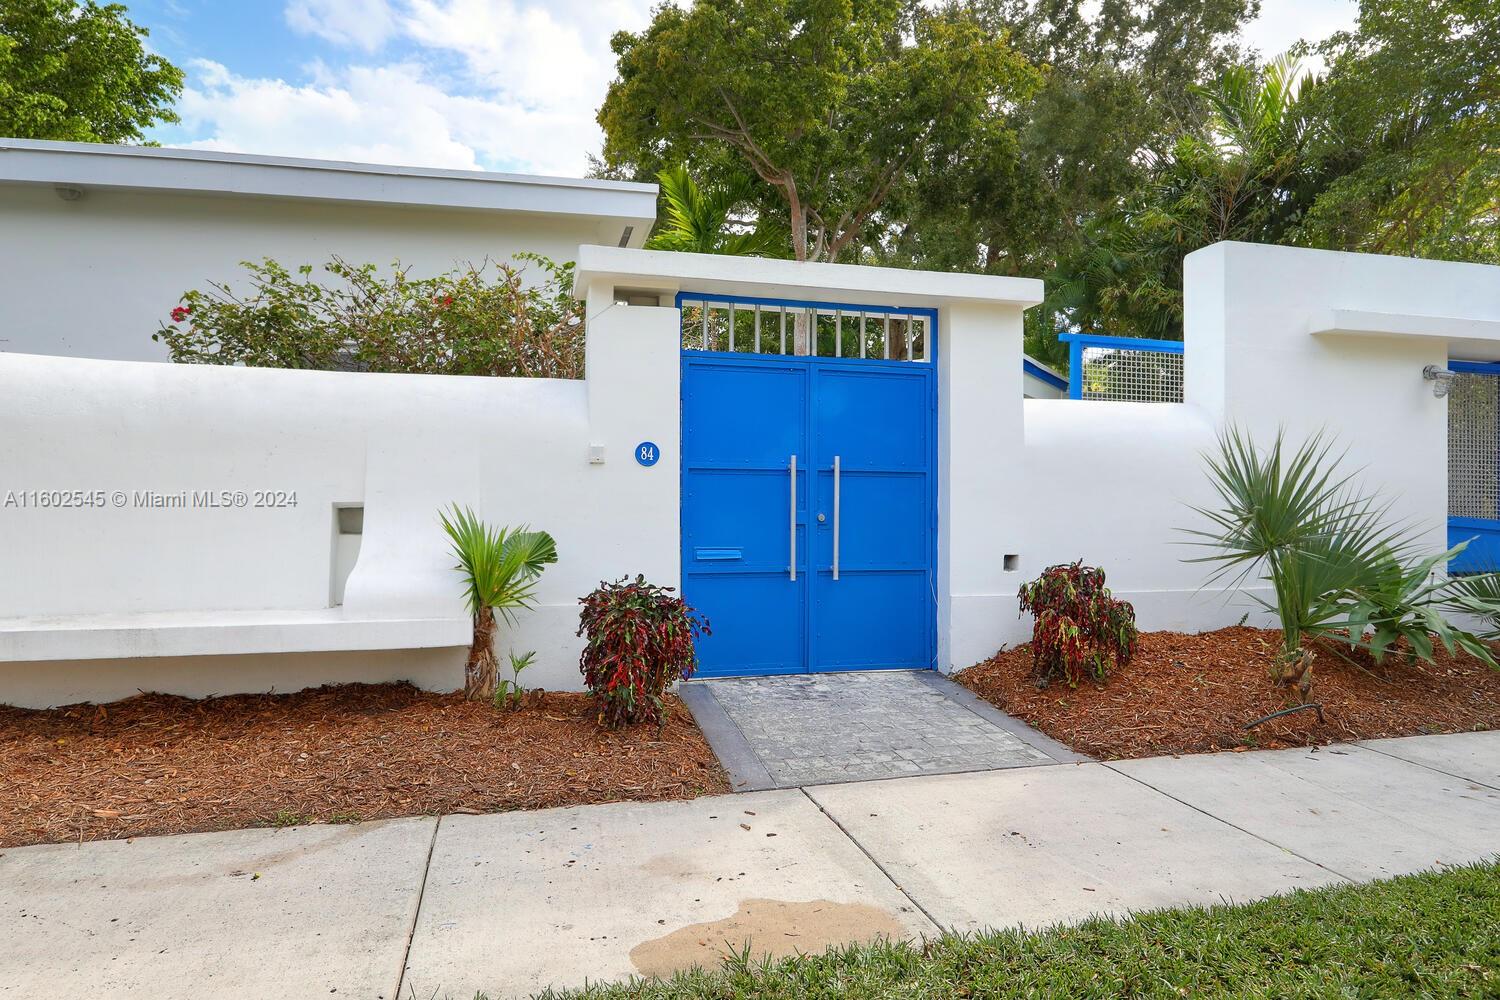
479, 672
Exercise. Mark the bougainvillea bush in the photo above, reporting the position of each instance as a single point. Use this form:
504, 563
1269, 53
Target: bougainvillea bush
640, 642
1080, 630
498, 319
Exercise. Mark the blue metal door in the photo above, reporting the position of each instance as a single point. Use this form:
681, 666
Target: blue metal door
872, 594
809, 511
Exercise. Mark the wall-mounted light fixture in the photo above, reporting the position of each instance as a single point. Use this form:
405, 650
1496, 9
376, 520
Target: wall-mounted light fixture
1441, 379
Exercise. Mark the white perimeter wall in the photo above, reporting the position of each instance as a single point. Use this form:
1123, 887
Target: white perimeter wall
402, 445
1023, 484
96, 277
1113, 484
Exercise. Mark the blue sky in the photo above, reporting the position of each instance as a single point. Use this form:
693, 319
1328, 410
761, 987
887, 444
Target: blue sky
480, 84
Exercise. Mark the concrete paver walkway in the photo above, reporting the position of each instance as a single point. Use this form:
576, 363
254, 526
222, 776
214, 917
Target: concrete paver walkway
817, 729
509, 904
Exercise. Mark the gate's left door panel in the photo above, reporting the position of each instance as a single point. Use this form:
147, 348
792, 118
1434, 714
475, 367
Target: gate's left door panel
747, 420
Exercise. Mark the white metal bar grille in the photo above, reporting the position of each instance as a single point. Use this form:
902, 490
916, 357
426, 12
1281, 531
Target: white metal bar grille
1132, 376
874, 334
1474, 446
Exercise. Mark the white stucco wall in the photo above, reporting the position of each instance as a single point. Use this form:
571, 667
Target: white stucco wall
96, 277
1255, 356
155, 580
1114, 484
95, 603
981, 500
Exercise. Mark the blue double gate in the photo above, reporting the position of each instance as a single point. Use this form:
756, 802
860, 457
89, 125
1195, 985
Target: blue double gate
809, 501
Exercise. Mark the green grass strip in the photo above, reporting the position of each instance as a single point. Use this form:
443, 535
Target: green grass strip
1431, 935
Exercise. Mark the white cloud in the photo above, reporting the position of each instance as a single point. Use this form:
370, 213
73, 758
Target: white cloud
1283, 22
379, 114
552, 55
366, 24
493, 84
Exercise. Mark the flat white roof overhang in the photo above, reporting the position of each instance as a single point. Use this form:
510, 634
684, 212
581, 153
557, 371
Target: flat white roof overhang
665, 272
82, 165
1469, 338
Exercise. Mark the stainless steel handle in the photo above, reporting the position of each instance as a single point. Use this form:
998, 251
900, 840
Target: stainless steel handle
835, 517
792, 521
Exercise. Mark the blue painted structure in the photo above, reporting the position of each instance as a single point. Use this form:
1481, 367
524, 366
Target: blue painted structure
761, 563
1036, 371
1483, 535
1078, 341
1483, 552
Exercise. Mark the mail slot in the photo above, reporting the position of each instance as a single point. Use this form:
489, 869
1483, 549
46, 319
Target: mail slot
706, 554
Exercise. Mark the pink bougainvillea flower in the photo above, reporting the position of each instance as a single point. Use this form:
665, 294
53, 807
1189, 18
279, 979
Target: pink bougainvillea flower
181, 313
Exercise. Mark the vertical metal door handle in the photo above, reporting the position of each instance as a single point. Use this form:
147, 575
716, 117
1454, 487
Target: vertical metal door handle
792, 521
835, 517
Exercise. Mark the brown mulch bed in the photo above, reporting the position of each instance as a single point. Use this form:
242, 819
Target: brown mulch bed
158, 764
1195, 693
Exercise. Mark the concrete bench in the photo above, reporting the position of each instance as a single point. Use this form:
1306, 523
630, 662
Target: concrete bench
215, 633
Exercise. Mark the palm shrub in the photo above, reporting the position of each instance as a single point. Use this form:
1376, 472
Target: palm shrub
1477, 595
1080, 628
500, 567
701, 219
639, 643
1337, 568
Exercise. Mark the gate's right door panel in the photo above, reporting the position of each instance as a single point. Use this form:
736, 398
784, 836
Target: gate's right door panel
877, 420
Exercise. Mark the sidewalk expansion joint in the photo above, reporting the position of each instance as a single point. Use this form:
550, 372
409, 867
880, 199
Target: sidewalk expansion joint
1232, 826
416, 913
875, 861
1434, 770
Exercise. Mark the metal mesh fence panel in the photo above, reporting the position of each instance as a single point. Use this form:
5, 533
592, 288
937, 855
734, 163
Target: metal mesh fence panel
1474, 447
1132, 376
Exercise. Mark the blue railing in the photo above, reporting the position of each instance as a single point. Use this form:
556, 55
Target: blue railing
1078, 343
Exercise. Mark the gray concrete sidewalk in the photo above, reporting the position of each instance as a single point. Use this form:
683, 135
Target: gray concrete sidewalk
509, 904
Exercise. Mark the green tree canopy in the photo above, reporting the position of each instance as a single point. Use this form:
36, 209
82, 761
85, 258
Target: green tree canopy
1242, 175
1410, 147
1396, 149
830, 103
80, 71
1119, 88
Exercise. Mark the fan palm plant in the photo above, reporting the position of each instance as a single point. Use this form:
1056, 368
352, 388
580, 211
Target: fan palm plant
1476, 595
500, 567
1337, 569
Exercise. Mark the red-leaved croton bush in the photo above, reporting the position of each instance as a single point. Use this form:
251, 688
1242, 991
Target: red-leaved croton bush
640, 642
1080, 630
